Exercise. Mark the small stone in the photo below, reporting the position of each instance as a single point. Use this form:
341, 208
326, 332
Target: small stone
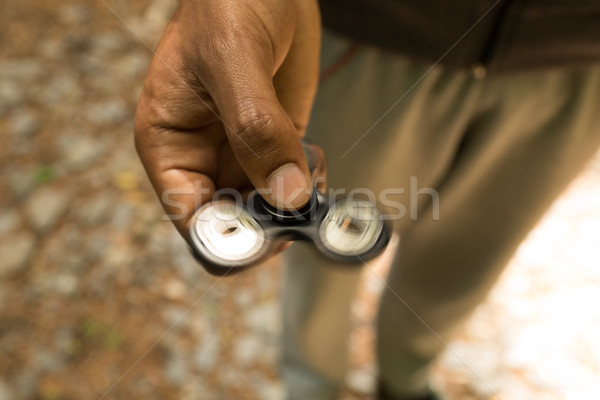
96, 209
192, 387
206, 355
122, 216
231, 376
97, 245
26, 383
176, 369
126, 180
80, 150
74, 261
6, 392
270, 390
65, 284
264, 318
11, 94
9, 221
45, 206
157, 242
174, 289
51, 48
185, 264
15, 252
45, 361
133, 65
107, 42
158, 13
24, 124
107, 112
74, 13
20, 69
118, 256
243, 297
21, 181
248, 349
63, 88
63, 339
176, 316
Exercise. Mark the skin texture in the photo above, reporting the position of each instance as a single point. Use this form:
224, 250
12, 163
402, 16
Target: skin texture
226, 101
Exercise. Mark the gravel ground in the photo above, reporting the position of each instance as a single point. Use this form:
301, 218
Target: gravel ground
99, 298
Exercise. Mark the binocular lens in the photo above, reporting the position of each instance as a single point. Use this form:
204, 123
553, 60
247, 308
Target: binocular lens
351, 227
227, 231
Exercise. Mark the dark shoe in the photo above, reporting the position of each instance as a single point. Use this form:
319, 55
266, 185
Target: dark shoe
383, 395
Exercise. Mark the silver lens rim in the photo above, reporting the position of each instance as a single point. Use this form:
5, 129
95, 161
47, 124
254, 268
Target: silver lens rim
330, 221
212, 217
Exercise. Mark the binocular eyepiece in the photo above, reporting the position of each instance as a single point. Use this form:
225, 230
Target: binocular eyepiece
228, 235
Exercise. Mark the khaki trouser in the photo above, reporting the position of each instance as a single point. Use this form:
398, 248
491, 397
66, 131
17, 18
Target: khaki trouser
497, 151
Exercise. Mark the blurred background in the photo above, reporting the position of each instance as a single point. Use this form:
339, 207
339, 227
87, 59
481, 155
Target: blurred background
99, 298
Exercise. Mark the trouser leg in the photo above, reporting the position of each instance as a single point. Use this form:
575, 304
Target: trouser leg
530, 138
317, 295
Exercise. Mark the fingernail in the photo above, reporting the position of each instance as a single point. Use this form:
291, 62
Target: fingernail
289, 187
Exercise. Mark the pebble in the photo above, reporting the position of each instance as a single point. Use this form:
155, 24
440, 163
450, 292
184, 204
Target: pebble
45, 206
46, 361
176, 368
11, 94
21, 180
96, 209
65, 284
243, 297
61, 243
27, 69
175, 290
269, 390
15, 252
206, 355
107, 112
264, 318
9, 221
186, 265
79, 150
157, 242
51, 48
248, 349
108, 42
26, 383
131, 66
96, 245
159, 12
230, 376
74, 14
24, 123
175, 316
6, 392
122, 215
150, 25
192, 387
62, 89
119, 255
63, 339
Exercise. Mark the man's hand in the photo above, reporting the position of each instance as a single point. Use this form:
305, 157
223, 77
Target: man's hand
226, 101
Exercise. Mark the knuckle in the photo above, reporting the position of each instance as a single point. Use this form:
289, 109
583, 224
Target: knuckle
255, 134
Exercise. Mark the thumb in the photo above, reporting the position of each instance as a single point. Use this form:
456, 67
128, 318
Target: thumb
268, 148
262, 136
